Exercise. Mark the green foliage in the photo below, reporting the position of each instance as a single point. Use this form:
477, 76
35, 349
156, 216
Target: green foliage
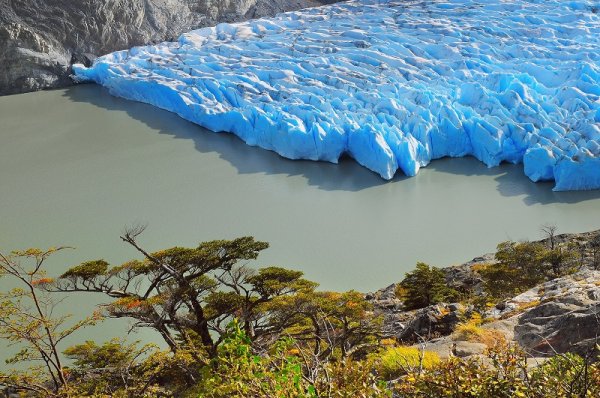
116, 369
284, 339
275, 281
112, 354
397, 361
519, 266
504, 374
425, 286
561, 260
238, 372
351, 379
458, 378
567, 375
331, 323
87, 270
188, 295
594, 248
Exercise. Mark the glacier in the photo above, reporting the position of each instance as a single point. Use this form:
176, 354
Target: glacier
393, 84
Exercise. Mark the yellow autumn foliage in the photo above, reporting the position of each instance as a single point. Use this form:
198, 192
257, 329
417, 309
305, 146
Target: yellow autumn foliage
396, 361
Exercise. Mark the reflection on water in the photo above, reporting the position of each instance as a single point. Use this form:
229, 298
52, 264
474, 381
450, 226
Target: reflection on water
77, 165
351, 177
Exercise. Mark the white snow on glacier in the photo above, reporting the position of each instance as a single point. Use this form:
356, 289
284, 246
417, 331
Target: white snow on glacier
394, 84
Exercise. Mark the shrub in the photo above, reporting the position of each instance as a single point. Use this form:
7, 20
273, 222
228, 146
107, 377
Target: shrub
472, 331
238, 372
350, 379
468, 378
567, 375
478, 267
477, 334
286, 372
397, 361
504, 374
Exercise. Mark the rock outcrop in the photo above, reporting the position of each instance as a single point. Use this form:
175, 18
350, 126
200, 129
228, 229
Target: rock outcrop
558, 316
567, 317
41, 39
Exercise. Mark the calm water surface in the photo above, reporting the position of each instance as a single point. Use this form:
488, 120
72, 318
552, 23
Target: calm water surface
77, 165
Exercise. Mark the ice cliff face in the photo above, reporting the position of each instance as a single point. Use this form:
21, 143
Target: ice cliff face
394, 84
39, 39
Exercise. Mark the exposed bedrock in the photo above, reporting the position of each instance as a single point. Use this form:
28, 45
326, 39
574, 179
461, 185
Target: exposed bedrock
40, 39
557, 316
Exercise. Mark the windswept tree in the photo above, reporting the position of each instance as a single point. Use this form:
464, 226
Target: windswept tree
189, 295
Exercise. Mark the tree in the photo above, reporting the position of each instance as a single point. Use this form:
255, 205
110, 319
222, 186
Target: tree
27, 322
329, 323
522, 265
550, 231
519, 266
425, 286
558, 257
189, 295
562, 260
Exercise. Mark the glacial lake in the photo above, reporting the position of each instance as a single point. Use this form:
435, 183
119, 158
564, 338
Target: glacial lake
78, 165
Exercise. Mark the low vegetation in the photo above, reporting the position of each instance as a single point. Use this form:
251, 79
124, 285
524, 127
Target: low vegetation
234, 331
504, 372
395, 362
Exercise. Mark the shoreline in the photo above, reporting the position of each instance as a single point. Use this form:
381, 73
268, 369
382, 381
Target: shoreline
557, 315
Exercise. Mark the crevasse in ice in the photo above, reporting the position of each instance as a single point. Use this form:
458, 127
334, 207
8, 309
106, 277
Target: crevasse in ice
394, 84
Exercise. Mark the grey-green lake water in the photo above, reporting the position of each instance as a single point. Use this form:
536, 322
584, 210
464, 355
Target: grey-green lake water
78, 165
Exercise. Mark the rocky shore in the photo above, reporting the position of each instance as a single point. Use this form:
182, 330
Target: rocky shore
41, 39
558, 316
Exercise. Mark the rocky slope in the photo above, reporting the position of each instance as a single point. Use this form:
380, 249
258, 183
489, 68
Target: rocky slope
40, 39
557, 316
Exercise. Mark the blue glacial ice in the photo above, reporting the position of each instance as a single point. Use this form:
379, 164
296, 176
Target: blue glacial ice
393, 84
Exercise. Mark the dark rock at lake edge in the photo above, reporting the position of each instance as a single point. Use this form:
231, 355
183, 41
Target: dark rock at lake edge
558, 316
41, 39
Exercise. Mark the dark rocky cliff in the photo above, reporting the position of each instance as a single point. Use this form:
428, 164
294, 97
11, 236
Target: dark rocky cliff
40, 39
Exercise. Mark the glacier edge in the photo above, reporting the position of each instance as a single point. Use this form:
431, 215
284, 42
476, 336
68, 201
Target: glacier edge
394, 84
